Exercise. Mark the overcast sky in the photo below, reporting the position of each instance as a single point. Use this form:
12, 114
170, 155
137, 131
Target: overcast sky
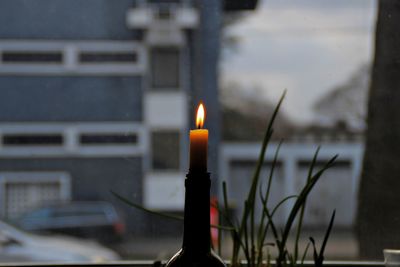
305, 46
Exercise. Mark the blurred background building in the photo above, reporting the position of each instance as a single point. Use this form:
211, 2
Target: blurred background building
99, 95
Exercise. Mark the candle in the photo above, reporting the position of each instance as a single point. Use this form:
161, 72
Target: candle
196, 247
199, 143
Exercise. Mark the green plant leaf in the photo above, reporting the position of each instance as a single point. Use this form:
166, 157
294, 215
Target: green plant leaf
305, 253
261, 236
328, 232
140, 207
319, 257
249, 208
246, 235
224, 216
162, 214
270, 217
303, 207
237, 241
263, 229
273, 227
297, 205
315, 253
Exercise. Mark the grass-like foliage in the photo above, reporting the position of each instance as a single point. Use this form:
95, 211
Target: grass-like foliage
248, 235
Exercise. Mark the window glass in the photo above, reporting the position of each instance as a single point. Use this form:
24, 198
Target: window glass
165, 68
165, 151
103, 57
32, 140
90, 139
98, 97
31, 57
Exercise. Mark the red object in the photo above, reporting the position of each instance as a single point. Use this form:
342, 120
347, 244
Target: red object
119, 228
214, 220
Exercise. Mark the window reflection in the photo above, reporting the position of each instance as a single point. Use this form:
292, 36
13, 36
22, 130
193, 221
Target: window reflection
99, 96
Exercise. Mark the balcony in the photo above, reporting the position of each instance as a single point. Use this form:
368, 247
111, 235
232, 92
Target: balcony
163, 23
175, 16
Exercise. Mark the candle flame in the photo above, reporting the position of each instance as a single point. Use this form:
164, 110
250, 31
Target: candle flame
200, 117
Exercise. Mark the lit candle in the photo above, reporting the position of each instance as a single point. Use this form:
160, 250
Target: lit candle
199, 143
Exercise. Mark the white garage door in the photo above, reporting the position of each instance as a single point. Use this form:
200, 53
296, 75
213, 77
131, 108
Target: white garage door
332, 191
240, 178
23, 191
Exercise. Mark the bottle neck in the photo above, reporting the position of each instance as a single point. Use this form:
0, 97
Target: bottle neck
196, 235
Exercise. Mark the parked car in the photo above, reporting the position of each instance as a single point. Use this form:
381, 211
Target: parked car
19, 246
97, 220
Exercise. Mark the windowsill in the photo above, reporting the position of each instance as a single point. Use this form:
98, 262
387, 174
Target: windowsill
148, 263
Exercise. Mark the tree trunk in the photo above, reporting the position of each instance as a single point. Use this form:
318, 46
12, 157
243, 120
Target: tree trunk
378, 220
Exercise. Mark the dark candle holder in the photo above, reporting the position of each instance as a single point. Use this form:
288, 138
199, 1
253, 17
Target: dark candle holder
196, 236
196, 247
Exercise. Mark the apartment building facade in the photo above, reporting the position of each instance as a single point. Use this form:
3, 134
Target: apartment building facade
98, 95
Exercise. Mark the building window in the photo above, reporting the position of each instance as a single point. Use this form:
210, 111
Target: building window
66, 57
108, 139
65, 139
165, 150
17, 57
32, 139
107, 57
165, 68
164, 12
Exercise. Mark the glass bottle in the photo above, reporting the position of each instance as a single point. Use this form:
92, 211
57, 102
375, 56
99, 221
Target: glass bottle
196, 247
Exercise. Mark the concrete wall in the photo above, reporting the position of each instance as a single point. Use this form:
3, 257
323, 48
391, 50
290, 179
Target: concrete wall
48, 98
94, 98
91, 98
93, 178
60, 19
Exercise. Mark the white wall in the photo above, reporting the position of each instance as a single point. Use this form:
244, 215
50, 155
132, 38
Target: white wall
337, 189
